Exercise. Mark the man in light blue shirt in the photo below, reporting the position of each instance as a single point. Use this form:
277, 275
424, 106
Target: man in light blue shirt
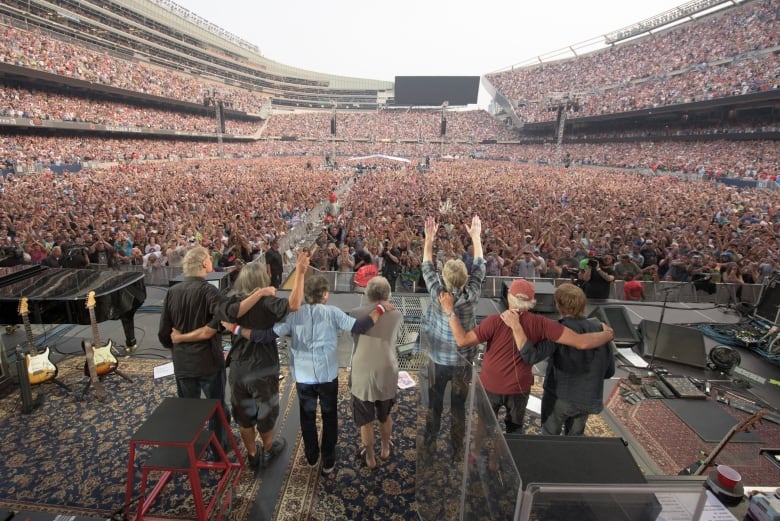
313, 331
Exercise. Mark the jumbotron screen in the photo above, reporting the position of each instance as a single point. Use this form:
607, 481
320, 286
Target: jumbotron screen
435, 90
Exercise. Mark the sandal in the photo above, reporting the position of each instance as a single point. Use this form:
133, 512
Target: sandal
363, 454
389, 454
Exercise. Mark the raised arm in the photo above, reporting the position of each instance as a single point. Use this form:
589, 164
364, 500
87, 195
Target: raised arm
475, 232
430, 235
296, 295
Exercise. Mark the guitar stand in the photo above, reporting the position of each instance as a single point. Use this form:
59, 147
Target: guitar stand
115, 371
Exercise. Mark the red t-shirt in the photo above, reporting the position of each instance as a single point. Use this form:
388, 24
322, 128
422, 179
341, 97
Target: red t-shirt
503, 370
632, 290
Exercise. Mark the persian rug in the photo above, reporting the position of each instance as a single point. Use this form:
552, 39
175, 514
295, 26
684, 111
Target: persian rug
70, 455
673, 446
353, 491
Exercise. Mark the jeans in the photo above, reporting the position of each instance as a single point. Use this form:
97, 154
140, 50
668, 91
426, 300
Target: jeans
460, 379
327, 394
567, 417
515, 405
212, 386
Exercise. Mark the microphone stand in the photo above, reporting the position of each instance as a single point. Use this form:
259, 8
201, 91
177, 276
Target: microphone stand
651, 366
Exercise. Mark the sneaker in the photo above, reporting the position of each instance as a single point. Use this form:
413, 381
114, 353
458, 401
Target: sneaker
327, 468
276, 448
312, 463
254, 461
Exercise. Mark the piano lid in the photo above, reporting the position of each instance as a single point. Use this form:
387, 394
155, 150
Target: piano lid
58, 295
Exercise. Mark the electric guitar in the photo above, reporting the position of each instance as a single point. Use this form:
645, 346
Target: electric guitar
94, 379
699, 467
102, 358
39, 367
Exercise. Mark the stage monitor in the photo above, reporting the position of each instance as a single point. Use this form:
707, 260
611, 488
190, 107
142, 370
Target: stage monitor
617, 318
679, 344
433, 91
218, 279
769, 304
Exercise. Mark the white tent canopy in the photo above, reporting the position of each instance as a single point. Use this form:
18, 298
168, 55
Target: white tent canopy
380, 156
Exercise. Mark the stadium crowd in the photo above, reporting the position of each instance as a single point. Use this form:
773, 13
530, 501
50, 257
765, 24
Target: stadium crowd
392, 125
722, 158
36, 50
30, 104
538, 221
727, 54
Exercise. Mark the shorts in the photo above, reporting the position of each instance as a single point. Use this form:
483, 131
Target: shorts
254, 401
366, 412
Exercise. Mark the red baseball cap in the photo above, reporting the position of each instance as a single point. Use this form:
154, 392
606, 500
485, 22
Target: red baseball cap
522, 287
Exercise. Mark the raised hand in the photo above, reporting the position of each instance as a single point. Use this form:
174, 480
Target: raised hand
475, 230
430, 228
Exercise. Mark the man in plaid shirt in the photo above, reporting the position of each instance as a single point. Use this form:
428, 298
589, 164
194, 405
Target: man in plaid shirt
446, 362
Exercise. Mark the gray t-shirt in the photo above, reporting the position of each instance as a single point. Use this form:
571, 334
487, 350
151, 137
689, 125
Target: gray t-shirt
374, 362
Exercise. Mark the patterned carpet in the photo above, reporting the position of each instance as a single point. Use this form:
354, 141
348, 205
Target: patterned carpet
354, 491
672, 445
70, 456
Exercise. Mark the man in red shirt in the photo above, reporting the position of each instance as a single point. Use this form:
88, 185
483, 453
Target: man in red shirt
506, 377
633, 289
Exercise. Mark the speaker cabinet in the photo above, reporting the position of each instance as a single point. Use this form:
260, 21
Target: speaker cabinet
617, 318
673, 343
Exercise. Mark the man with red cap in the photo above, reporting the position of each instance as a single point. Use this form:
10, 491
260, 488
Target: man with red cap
506, 377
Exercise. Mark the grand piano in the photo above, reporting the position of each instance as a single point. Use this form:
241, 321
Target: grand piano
59, 295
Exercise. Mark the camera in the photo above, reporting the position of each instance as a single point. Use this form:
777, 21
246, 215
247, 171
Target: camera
594, 262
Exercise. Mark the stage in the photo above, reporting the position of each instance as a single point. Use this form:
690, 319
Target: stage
643, 425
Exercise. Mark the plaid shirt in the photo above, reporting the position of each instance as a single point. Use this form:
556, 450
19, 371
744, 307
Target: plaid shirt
436, 326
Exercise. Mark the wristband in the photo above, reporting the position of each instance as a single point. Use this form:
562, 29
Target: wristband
235, 329
380, 308
238, 331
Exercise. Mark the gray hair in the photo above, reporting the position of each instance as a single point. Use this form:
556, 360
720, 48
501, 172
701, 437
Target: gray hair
378, 289
519, 303
252, 276
191, 264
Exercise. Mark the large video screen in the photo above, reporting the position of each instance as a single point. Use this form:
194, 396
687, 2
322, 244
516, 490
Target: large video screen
435, 90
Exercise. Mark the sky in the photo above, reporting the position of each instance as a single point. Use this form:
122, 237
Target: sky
381, 40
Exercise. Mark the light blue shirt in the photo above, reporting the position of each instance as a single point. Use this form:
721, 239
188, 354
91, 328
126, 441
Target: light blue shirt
314, 331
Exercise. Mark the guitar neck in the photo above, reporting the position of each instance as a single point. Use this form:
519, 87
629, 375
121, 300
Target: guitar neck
95, 330
29, 333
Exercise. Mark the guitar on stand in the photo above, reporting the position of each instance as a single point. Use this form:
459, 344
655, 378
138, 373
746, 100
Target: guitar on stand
94, 379
100, 358
103, 358
38, 367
